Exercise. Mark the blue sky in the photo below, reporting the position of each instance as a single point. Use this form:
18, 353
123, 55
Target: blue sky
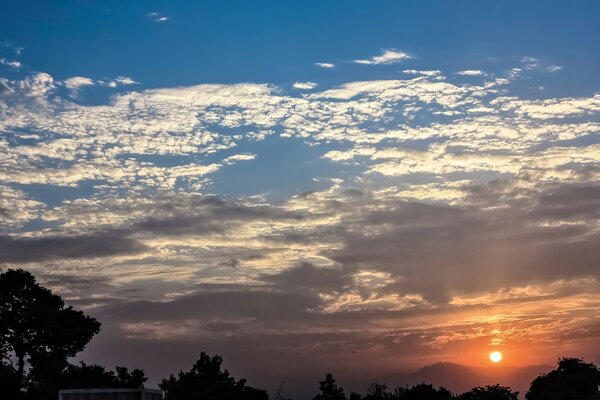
315, 168
274, 41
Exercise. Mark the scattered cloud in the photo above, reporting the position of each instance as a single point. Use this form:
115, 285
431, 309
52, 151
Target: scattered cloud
388, 57
304, 85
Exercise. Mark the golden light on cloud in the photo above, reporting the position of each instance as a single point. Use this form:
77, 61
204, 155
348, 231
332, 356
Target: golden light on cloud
495, 356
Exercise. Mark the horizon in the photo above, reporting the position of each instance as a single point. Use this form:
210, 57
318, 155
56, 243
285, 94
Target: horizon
361, 189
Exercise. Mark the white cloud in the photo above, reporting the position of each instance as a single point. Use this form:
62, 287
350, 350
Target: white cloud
388, 57
470, 72
125, 80
422, 72
325, 65
75, 83
239, 157
304, 85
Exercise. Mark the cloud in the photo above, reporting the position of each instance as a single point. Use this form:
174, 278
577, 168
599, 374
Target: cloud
76, 83
304, 85
471, 72
11, 64
433, 181
16, 208
125, 80
553, 68
325, 65
156, 17
25, 250
419, 72
388, 57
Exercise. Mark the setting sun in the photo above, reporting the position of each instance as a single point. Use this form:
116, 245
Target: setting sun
496, 356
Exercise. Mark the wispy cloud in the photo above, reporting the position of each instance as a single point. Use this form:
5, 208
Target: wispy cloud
304, 85
156, 17
388, 57
554, 68
10, 45
325, 65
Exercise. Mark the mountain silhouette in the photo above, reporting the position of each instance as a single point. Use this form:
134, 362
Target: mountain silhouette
461, 378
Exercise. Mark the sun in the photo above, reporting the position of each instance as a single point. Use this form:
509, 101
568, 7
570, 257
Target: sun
496, 356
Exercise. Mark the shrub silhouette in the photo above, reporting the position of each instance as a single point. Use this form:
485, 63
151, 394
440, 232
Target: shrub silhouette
573, 379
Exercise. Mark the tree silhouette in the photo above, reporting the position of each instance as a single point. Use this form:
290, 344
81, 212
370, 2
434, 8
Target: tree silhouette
573, 379
37, 332
495, 392
330, 390
206, 380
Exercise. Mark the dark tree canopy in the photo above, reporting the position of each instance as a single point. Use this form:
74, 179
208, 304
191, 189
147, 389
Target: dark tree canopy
495, 392
37, 332
422, 391
206, 380
84, 376
378, 391
573, 379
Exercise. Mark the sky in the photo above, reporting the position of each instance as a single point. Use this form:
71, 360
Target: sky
304, 187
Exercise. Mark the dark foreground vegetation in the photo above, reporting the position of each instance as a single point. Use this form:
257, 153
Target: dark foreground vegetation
38, 335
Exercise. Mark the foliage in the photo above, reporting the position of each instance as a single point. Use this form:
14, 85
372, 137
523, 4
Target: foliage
206, 380
330, 390
495, 392
572, 379
37, 332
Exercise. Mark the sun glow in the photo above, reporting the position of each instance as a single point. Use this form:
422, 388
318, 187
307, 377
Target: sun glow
495, 356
